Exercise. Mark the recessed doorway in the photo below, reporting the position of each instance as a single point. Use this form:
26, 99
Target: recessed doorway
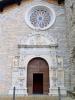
37, 83
38, 76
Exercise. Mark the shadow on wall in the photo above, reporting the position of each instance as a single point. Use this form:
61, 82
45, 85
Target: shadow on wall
5, 3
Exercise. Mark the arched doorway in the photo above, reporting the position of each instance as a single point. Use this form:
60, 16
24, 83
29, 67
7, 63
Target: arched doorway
38, 76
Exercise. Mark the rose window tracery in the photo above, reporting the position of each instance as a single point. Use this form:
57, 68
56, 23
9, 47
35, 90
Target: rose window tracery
40, 17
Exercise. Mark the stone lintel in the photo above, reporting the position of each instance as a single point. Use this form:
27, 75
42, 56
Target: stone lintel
37, 46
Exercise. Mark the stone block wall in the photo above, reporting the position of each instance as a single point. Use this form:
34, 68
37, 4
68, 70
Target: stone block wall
70, 17
13, 29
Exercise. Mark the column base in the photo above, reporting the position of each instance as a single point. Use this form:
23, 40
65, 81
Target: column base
54, 91
19, 92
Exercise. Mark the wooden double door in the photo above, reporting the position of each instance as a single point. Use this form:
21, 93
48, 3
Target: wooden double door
38, 76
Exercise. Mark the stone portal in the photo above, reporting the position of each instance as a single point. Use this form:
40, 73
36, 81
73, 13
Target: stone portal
38, 58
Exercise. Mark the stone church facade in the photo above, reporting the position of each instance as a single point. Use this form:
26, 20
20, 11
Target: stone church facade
37, 48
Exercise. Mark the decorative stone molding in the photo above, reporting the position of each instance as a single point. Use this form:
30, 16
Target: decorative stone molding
38, 40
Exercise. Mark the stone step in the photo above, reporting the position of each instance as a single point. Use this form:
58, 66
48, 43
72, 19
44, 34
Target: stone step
35, 97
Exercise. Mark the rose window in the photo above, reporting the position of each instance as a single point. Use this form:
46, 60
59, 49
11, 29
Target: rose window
40, 17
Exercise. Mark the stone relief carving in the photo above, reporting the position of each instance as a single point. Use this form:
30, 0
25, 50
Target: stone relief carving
16, 61
18, 77
54, 78
38, 39
60, 62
